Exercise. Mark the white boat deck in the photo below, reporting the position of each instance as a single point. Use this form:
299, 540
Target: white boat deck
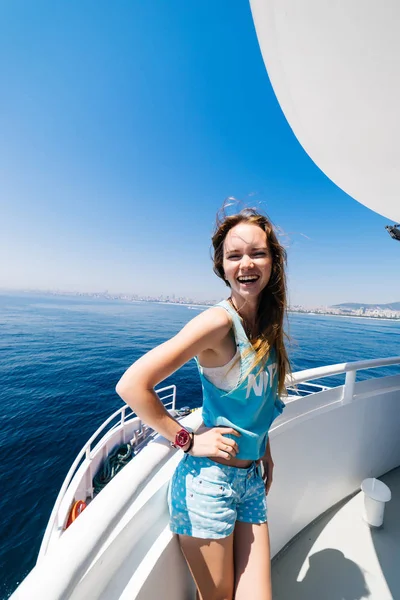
339, 557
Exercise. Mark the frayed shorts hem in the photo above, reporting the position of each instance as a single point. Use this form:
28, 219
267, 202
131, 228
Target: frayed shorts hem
199, 533
208, 535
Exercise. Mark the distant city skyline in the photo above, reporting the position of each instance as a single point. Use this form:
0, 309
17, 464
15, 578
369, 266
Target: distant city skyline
357, 309
124, 130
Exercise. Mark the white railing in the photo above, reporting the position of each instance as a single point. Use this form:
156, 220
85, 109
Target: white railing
301, 378
300, 392
131, 415
351, 368
85, 452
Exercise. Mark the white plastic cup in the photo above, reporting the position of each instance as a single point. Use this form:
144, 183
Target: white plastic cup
376, 494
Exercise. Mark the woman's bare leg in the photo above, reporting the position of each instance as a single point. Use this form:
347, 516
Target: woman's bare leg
252, 559
211, 565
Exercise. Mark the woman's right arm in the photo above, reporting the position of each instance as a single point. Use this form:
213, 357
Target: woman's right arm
136, 386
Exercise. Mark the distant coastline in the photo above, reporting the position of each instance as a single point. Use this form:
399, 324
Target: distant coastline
189, 305
344, 316
192, 303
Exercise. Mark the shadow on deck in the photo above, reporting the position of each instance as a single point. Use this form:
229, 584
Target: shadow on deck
340, 558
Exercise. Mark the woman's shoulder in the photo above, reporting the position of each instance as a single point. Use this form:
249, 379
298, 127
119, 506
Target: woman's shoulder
215, 317
216, 325
206, 329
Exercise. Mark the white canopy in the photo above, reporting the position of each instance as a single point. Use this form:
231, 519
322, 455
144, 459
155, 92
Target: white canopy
335, 68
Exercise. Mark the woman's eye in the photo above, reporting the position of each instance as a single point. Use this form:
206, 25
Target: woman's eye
234, 256
259, 254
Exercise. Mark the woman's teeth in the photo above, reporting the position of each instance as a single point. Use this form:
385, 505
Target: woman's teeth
247, 278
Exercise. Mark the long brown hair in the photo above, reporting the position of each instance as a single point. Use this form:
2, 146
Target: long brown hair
269, 331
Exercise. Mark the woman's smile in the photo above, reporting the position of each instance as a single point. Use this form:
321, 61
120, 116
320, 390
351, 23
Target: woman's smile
248, 281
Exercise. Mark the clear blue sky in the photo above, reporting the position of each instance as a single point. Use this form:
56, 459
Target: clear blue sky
124, 125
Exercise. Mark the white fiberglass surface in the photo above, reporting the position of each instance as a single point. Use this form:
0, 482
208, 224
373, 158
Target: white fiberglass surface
334, 67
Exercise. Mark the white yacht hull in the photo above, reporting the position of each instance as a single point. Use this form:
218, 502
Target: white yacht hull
323, 445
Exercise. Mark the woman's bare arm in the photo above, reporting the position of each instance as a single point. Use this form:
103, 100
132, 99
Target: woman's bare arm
136, 386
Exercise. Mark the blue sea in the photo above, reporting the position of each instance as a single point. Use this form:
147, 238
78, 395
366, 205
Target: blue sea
60, 359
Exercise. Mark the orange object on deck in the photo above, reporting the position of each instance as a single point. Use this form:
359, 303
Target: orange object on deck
76, 510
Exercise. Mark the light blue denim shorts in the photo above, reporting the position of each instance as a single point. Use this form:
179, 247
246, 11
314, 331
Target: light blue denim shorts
206, 498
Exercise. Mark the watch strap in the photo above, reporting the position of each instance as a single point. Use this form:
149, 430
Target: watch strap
191, 442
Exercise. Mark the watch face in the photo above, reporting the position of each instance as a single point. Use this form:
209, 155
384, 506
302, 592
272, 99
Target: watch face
182, 438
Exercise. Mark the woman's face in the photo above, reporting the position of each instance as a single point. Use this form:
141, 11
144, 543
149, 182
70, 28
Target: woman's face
247, 261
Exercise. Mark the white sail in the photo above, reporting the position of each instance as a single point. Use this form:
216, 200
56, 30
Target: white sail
335, 68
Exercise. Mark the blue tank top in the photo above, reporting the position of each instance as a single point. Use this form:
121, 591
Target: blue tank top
252, 405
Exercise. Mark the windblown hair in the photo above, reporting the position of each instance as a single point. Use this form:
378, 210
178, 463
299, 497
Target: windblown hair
269, 331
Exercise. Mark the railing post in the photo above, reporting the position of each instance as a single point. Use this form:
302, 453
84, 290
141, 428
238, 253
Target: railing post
348, 391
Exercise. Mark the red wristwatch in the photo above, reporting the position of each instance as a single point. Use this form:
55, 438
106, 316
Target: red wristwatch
182, 438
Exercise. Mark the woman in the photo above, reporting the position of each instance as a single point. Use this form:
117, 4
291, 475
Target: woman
217, 496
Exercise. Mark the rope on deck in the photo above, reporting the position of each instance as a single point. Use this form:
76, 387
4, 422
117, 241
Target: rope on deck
114, 462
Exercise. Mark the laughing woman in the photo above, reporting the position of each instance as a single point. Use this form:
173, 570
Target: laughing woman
217, 497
